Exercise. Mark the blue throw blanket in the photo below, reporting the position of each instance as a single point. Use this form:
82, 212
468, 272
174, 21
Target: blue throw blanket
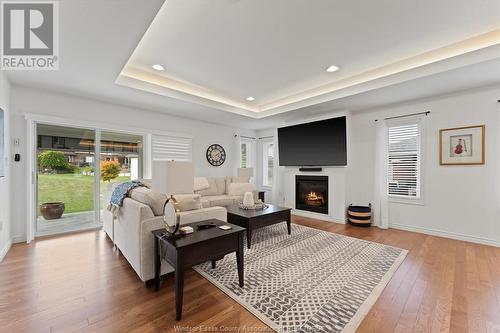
120, 193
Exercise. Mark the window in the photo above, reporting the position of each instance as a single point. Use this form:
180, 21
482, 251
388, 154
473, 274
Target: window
404, 158
2, 151
246, 154
171, 148
268, 164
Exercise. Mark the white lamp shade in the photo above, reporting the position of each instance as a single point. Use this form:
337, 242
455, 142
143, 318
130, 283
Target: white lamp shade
245, 172
173, 177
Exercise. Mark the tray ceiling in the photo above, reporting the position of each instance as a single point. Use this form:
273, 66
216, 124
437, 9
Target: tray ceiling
218, 53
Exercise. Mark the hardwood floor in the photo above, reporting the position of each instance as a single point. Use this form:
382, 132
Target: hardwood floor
79, 283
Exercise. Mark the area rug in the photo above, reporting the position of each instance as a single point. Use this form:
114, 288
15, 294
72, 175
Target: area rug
309, 281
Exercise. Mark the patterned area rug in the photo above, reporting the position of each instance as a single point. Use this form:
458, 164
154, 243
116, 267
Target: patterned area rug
310, 281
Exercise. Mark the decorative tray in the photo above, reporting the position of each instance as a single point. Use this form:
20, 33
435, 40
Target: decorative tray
256, 206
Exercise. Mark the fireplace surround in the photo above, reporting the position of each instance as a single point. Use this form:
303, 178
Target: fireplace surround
311, 193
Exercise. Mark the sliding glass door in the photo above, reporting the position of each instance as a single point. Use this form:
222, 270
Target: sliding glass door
71, 183
66, 179
120, 159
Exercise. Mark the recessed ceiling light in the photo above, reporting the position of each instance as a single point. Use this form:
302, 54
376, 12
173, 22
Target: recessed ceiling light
158, 67
250, 98
332, 69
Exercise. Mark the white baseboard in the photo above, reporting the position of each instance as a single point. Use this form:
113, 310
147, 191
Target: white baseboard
447, 234
18, 239
5, 249
318, 216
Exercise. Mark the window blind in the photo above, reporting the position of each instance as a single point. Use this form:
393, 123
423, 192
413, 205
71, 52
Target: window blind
244, 162
268, 164
404, 160
170, 148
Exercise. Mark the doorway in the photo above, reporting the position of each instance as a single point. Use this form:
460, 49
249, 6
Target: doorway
71, 183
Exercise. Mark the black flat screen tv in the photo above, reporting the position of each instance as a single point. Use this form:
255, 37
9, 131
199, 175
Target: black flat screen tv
319, 143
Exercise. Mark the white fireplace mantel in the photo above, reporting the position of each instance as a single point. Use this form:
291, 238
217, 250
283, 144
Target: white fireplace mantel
336, 192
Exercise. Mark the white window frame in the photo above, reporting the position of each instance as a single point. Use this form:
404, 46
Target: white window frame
419, 199
249, 150
265, 168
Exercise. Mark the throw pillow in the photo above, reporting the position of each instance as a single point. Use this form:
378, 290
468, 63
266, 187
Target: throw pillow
241, 179
235, 179
146, 182
188, 202
155, 200
240, 188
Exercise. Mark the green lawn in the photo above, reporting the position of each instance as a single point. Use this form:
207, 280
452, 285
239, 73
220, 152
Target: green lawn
75, 190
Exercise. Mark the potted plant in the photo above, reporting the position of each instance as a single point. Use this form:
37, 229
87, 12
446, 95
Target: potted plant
52, 162
52, 210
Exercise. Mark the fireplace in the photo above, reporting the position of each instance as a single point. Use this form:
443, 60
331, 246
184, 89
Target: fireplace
311, 193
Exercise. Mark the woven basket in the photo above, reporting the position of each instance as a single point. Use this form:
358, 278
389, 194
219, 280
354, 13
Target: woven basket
360, 215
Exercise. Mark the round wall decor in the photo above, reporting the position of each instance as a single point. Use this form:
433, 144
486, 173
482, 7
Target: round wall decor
216, 155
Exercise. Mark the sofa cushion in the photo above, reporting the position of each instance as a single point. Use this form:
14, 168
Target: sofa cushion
187, 202
205, 203
239, 179
155, 200
200, 183
211, 190
222, 200
220, 182
239, 188
235, 179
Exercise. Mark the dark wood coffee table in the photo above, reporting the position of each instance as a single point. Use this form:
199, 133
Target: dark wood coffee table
252, 219
190, 250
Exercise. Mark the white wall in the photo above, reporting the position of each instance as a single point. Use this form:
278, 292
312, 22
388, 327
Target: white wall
460, 202
5, 238
26, 100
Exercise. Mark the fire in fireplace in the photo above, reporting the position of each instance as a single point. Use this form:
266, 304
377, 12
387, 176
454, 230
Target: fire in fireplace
311, 193
315, 199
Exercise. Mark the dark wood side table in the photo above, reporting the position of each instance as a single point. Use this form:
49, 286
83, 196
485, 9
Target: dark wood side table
252, 219
190, 250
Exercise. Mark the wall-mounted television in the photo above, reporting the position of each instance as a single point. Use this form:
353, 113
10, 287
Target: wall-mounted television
319, 143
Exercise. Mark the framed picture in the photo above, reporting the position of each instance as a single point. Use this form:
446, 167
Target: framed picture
462, 145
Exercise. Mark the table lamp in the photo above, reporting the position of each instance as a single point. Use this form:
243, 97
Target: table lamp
245, 172
172, 177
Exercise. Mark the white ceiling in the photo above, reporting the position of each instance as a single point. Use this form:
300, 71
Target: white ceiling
458, 80
219, 52
230, 49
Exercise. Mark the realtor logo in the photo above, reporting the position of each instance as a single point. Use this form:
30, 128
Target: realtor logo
30, 35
